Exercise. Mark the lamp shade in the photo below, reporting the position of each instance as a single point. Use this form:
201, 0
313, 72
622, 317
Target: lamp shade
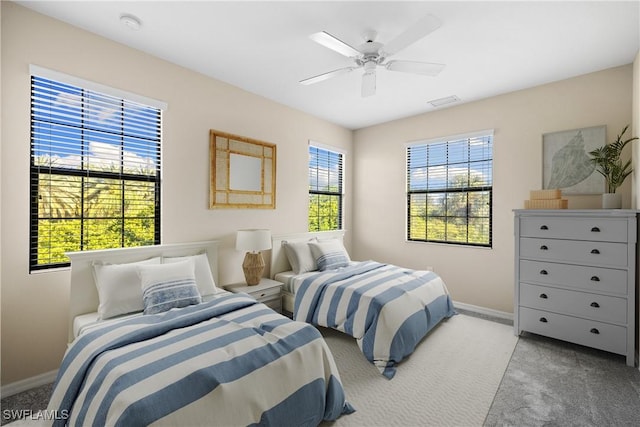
253, 240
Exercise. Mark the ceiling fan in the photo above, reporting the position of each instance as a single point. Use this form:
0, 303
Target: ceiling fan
371, 54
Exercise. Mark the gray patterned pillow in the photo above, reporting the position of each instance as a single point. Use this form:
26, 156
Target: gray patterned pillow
329, 254
168, 286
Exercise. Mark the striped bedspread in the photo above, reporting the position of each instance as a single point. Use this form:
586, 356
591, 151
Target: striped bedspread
387, 309
231, 361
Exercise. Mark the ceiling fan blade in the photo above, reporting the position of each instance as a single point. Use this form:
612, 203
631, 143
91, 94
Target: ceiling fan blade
368, 83
333, 43
424, 26
423, 68
328, 75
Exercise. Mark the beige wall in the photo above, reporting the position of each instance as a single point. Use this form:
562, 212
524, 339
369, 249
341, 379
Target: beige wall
481, 277
34, 307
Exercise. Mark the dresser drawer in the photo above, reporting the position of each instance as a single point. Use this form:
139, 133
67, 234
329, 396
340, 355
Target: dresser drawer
590, 306
266, 293
606, 280
575, 251
573, 329
595, 229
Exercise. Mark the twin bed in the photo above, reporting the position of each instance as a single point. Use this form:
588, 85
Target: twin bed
225, 360
386, 308
153, 339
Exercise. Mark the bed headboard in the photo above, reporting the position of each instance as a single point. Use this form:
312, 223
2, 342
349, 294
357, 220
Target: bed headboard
83, 292
279, 261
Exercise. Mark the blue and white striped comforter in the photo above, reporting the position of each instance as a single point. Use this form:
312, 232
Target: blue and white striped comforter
387, 309
230, 361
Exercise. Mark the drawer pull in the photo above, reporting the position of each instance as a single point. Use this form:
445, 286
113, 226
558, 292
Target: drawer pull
543, 248
595, 230
594, 331
595, 251
543, 272
543, 320
262, 294
595, 304
543, 296
544, 227
595, 279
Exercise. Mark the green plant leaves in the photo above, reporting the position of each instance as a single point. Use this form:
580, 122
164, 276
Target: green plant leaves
608, 162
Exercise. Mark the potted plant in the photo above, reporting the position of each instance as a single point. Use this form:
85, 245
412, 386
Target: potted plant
608, 164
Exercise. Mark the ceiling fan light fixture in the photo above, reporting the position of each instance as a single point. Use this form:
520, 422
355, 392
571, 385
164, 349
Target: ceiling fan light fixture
443, 101
370, 66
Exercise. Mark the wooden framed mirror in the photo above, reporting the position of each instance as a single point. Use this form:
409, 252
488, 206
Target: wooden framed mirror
242, 172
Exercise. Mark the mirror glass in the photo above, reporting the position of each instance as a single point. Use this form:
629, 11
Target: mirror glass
245, 173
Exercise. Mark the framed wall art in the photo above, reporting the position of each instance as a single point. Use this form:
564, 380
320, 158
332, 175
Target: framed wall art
242, 172
566, 160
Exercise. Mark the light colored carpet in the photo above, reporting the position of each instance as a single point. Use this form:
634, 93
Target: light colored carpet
449, 380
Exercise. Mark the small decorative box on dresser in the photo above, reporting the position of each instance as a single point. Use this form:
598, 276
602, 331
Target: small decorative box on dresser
268, 292
576, 277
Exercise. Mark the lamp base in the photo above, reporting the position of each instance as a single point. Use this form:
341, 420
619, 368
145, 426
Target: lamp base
253, 267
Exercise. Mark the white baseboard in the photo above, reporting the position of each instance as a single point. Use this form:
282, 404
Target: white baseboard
28, 383
485, 311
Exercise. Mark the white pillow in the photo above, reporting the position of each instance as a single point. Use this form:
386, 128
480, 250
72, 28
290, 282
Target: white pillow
300, 257
118, 286
204, 278
329, 254
168, 286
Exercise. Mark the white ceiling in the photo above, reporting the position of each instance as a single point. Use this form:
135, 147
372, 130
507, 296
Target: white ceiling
263, 47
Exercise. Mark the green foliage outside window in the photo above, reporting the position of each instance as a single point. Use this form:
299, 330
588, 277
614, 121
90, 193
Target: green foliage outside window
444, 218
324, 212
78, 213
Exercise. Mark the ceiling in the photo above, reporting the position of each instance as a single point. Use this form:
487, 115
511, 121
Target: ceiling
489, 48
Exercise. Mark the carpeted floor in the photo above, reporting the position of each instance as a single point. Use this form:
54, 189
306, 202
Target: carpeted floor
554, 383
450, 380
547, 383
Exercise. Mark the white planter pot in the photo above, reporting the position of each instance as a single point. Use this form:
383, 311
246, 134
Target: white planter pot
611, 201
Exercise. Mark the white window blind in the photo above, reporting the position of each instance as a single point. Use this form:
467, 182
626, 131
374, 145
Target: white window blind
95, 172
450, 190
325, 189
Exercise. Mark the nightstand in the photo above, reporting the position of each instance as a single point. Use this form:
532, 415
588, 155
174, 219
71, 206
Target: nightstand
268, 292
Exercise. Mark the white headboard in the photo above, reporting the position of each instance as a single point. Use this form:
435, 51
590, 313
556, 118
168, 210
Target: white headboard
83, 296
279, 261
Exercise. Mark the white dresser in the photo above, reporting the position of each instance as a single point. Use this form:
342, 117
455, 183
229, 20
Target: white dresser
575, 277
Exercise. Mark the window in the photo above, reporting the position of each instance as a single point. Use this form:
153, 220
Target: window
449, 190
95, 172
325, 189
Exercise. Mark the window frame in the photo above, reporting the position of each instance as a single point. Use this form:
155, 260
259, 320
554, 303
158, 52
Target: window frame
332, 151
118, 179
448, 189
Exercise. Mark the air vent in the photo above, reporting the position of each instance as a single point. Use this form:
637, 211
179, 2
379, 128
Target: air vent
443, 101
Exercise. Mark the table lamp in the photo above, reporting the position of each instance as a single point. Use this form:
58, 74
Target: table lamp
253, 241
